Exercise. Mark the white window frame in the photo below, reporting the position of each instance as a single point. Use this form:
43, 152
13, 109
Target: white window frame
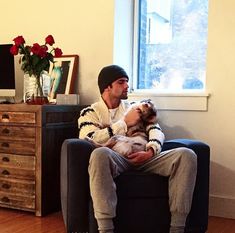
125, 55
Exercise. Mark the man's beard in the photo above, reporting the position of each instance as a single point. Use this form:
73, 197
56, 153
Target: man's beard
124, 96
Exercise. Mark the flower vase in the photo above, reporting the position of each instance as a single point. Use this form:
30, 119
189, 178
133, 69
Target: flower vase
36, 88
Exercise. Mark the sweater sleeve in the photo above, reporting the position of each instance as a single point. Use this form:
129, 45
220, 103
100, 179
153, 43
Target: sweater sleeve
155, 138
91, 126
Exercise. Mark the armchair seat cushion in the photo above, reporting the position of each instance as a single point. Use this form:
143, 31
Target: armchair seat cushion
141, 185
143, 197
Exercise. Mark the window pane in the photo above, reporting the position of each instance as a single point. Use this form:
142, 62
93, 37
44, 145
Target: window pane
172, 44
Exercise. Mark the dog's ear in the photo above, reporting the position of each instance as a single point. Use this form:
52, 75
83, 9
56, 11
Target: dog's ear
152, 119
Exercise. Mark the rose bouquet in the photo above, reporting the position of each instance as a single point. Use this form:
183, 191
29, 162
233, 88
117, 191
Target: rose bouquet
35, 58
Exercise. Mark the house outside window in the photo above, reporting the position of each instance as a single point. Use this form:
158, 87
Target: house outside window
171, 45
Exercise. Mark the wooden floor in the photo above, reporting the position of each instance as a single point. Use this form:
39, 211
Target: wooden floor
221, 225
13, 221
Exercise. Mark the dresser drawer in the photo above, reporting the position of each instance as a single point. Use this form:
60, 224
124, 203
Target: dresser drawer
17, 117
17, 147
20, 187
17, 133
17, 201
17, 161
8, 172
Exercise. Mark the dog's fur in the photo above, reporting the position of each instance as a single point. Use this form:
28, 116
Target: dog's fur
136, 136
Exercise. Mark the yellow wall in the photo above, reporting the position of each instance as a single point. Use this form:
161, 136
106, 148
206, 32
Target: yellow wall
79, 27
85, 27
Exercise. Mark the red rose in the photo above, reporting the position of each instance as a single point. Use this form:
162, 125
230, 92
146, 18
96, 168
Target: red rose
35, 49
50, 40
19, 40
58, 52
43, 51
14, 50
36, 57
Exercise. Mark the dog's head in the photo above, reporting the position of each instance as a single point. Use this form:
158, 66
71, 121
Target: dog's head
148, 111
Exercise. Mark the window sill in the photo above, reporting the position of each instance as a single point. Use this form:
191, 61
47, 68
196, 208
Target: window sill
175, 101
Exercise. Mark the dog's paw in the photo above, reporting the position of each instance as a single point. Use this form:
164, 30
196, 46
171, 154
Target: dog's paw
111, 142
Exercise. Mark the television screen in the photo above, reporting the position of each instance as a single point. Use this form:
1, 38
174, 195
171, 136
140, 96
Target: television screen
7, 71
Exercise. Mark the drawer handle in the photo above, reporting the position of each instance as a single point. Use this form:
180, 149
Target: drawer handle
5, 172
6, 131
5, 144
5, 199
5, 159
6, 186
5, 117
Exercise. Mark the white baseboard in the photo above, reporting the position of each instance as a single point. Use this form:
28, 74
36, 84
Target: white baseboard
221, 206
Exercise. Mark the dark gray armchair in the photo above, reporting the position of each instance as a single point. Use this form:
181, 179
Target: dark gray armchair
142, 198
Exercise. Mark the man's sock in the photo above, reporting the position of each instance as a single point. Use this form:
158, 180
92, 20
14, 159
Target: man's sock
105, 231
177, 222
176, 229
105, 225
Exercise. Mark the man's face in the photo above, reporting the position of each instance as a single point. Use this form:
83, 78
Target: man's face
119, 88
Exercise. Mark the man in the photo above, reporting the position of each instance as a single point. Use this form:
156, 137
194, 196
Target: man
108, 117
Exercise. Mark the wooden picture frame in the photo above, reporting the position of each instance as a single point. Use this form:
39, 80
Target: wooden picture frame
63, 72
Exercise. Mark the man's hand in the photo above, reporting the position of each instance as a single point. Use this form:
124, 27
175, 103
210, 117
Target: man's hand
132, 117
140, 157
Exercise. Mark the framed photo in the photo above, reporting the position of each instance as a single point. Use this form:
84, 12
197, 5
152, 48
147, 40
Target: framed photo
63, 72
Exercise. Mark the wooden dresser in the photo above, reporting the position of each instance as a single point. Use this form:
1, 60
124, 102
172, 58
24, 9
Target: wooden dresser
30, 142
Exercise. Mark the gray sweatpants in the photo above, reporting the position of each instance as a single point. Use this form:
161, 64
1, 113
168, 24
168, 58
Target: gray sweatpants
179, 164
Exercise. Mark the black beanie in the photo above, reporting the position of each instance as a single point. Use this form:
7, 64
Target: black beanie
109, 74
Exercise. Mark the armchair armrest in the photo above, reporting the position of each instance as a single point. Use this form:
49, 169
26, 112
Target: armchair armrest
193, 144
202, 151
75, 194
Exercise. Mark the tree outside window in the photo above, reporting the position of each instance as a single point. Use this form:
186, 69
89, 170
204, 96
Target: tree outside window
172, 45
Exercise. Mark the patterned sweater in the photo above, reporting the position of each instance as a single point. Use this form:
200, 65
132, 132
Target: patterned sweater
100, 123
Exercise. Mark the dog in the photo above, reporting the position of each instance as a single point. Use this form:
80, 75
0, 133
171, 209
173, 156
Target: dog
136, 137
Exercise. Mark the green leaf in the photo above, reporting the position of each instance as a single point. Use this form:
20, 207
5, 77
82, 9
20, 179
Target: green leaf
35, 60
50, 57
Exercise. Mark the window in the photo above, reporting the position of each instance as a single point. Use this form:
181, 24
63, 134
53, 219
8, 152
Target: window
171, 45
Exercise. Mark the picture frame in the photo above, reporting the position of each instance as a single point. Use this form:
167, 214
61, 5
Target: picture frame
63, 73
